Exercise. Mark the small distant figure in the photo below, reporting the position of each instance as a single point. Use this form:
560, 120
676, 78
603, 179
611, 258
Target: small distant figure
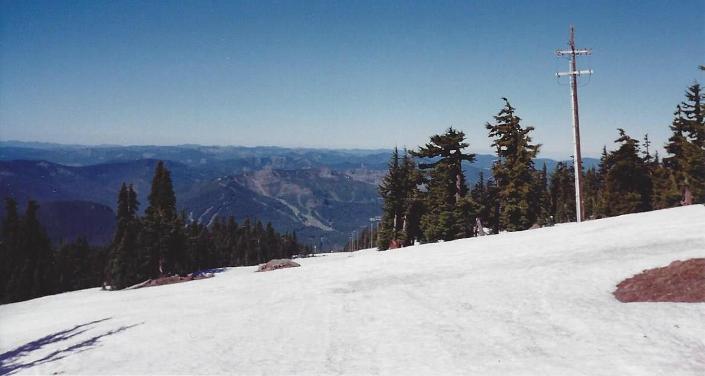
394, 244
551, 221
687, 197
479, 228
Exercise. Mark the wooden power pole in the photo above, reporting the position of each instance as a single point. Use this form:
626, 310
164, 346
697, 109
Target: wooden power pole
573, 72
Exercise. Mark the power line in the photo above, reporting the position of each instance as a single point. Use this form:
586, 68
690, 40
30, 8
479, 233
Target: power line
573, 72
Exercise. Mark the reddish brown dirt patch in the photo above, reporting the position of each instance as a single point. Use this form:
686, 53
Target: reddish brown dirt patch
277, 264
169, 280
681, 281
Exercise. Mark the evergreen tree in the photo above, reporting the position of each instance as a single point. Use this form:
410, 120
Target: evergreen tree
514, 172
30, 268
74, 266
391, 191
694, 112
449, 213
600, 206
544, 196
591, 193
9, 253
257, 253
124, 267
132, 204
291, 246
479, 195
686, 158
162, 200
162, 237
412, 202
272, 244
32, 274
484, 195
563, 193
493, 197
245, 243
628, 186
666, 193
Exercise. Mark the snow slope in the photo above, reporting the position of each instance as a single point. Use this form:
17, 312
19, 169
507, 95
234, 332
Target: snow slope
537, 302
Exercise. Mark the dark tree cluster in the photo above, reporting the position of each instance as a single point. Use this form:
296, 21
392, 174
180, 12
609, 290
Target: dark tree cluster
631, 179
30, 267
163, 242
430, 201
401, 215
159, 243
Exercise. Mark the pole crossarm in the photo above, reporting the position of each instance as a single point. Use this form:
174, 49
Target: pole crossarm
582, 51
575, 73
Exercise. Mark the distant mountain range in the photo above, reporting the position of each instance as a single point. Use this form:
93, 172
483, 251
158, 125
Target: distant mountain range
321, 194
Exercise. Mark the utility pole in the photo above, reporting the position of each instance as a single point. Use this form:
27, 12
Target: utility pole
371, 232
573, 72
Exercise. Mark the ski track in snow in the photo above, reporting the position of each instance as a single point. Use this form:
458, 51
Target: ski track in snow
536, 302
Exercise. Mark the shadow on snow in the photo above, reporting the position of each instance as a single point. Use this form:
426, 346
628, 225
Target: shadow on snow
10, 361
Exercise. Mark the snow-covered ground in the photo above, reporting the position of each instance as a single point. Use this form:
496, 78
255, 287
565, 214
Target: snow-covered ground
537, 302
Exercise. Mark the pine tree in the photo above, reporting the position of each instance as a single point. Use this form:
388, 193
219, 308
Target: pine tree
694, 112
563, 193
677, 147
484, 195
33, 272
256, 250
628, 186
391, 191
292, 245
244, 242
600, 210
9, 252
272, 245
514, 172
412, 199
124, 267
479, 195
591, 193
686, 158
449, 213
132, 204
162, 201
666, 193
74, 266
162, 238
543, 194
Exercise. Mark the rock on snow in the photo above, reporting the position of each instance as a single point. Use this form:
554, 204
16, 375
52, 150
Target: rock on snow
537, 302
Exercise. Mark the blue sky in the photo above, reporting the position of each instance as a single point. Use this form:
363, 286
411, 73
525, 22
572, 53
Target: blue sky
330, 74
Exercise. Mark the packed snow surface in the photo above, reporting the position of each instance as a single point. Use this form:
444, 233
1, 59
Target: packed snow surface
536, 302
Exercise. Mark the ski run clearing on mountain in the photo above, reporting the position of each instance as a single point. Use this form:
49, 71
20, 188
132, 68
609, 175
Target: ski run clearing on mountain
537, 302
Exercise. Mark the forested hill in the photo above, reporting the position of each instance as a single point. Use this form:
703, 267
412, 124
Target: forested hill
321, 194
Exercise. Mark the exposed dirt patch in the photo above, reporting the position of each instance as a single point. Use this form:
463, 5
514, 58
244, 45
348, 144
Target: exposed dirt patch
277, 264
681, 281
170, 280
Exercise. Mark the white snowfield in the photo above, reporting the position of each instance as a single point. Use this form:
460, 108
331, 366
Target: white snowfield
536, 302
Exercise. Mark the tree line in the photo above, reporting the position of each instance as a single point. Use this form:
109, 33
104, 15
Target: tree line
159, 243
426, 197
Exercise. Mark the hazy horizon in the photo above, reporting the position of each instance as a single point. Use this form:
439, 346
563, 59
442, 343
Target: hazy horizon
371, 150
362, 75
